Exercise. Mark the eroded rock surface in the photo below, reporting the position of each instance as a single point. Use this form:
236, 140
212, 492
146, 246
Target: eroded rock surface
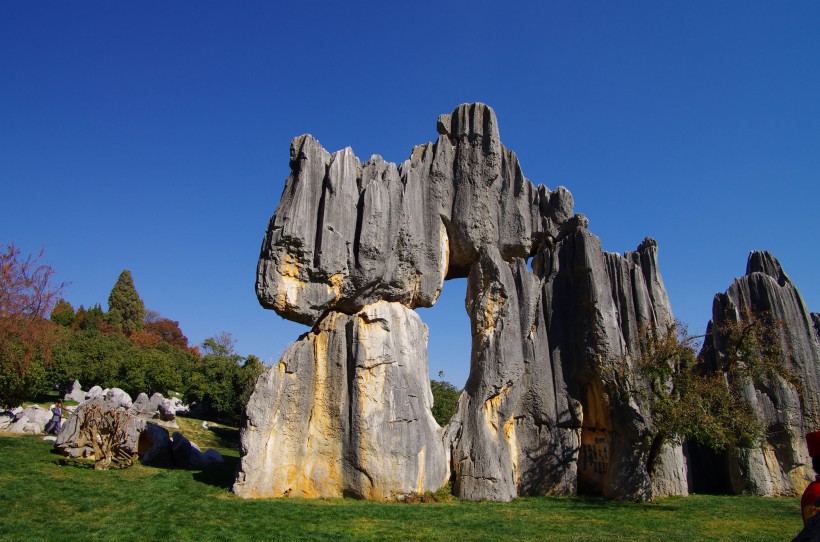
781, 465
346, 411
346, 234
353, 247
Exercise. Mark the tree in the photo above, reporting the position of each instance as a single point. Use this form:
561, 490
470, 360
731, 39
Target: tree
445, 400
686, 398
27, 294
93, 318
106, 430
151, 316
223, 381
221, 344
168, 331
63, 313
126, 310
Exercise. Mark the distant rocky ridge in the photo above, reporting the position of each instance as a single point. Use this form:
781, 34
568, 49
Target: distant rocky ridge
353, 247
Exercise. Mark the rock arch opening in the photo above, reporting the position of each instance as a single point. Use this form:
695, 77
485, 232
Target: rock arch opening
354, 248
448, 343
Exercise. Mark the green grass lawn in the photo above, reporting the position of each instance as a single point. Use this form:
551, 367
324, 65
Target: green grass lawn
43, 497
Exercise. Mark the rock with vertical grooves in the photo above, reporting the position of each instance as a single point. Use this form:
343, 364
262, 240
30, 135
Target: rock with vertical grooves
347, 234
781, 465
347, 411
516, 431
353, 247
593, 304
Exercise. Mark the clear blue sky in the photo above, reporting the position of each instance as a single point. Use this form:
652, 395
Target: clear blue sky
153, 136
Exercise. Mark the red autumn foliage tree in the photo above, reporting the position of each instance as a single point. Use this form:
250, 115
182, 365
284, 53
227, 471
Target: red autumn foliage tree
168, 331
27, 294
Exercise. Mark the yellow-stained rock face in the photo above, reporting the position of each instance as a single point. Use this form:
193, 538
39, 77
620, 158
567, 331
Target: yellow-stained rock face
512, 442
335, 287
294, 449
397, 450
300, 429
490, 409
288, 290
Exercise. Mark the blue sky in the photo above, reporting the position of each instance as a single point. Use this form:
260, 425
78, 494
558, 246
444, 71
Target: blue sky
154, 136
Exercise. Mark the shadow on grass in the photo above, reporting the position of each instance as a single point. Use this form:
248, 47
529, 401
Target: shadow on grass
228, 437
221, 475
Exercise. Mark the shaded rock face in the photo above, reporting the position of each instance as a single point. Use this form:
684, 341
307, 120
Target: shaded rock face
781, 466
353, 248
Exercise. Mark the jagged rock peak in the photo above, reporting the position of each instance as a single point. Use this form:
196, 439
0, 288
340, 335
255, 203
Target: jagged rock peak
647, 243
763, 262
352, 248
469, 120
347, 234
788, 411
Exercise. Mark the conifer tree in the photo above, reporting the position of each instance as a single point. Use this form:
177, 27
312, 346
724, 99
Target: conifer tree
125, 308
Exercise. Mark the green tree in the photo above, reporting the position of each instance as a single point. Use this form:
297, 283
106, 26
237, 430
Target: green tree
63, 313
689, 400
222, 344
93, 318
445, 400
126, 310
96, 358
224, 380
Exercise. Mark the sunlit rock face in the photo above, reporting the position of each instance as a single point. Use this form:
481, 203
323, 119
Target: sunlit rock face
346, 411
353, 247
781, 466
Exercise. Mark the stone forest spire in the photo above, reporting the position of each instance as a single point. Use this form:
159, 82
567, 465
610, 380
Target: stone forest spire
354, 247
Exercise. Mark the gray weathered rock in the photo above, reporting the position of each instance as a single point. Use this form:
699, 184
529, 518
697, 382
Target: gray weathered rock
166, 411
76, 394
347, 234
95, 391
117, 397
187, 455
156, 407
70, 438
6, 419
346, 411
31, 420
353, 247
154, 446
517, 431
142, 404
534, 418
781, 466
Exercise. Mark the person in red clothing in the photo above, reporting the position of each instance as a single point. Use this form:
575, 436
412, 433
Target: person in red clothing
808, 503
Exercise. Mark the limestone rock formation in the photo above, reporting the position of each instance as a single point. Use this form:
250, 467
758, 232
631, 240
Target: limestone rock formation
346, 411
347, 234
76, 393
146, 431
781, 466
30, 420
353, 247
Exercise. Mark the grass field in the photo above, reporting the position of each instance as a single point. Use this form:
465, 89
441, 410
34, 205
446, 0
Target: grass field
44, 497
